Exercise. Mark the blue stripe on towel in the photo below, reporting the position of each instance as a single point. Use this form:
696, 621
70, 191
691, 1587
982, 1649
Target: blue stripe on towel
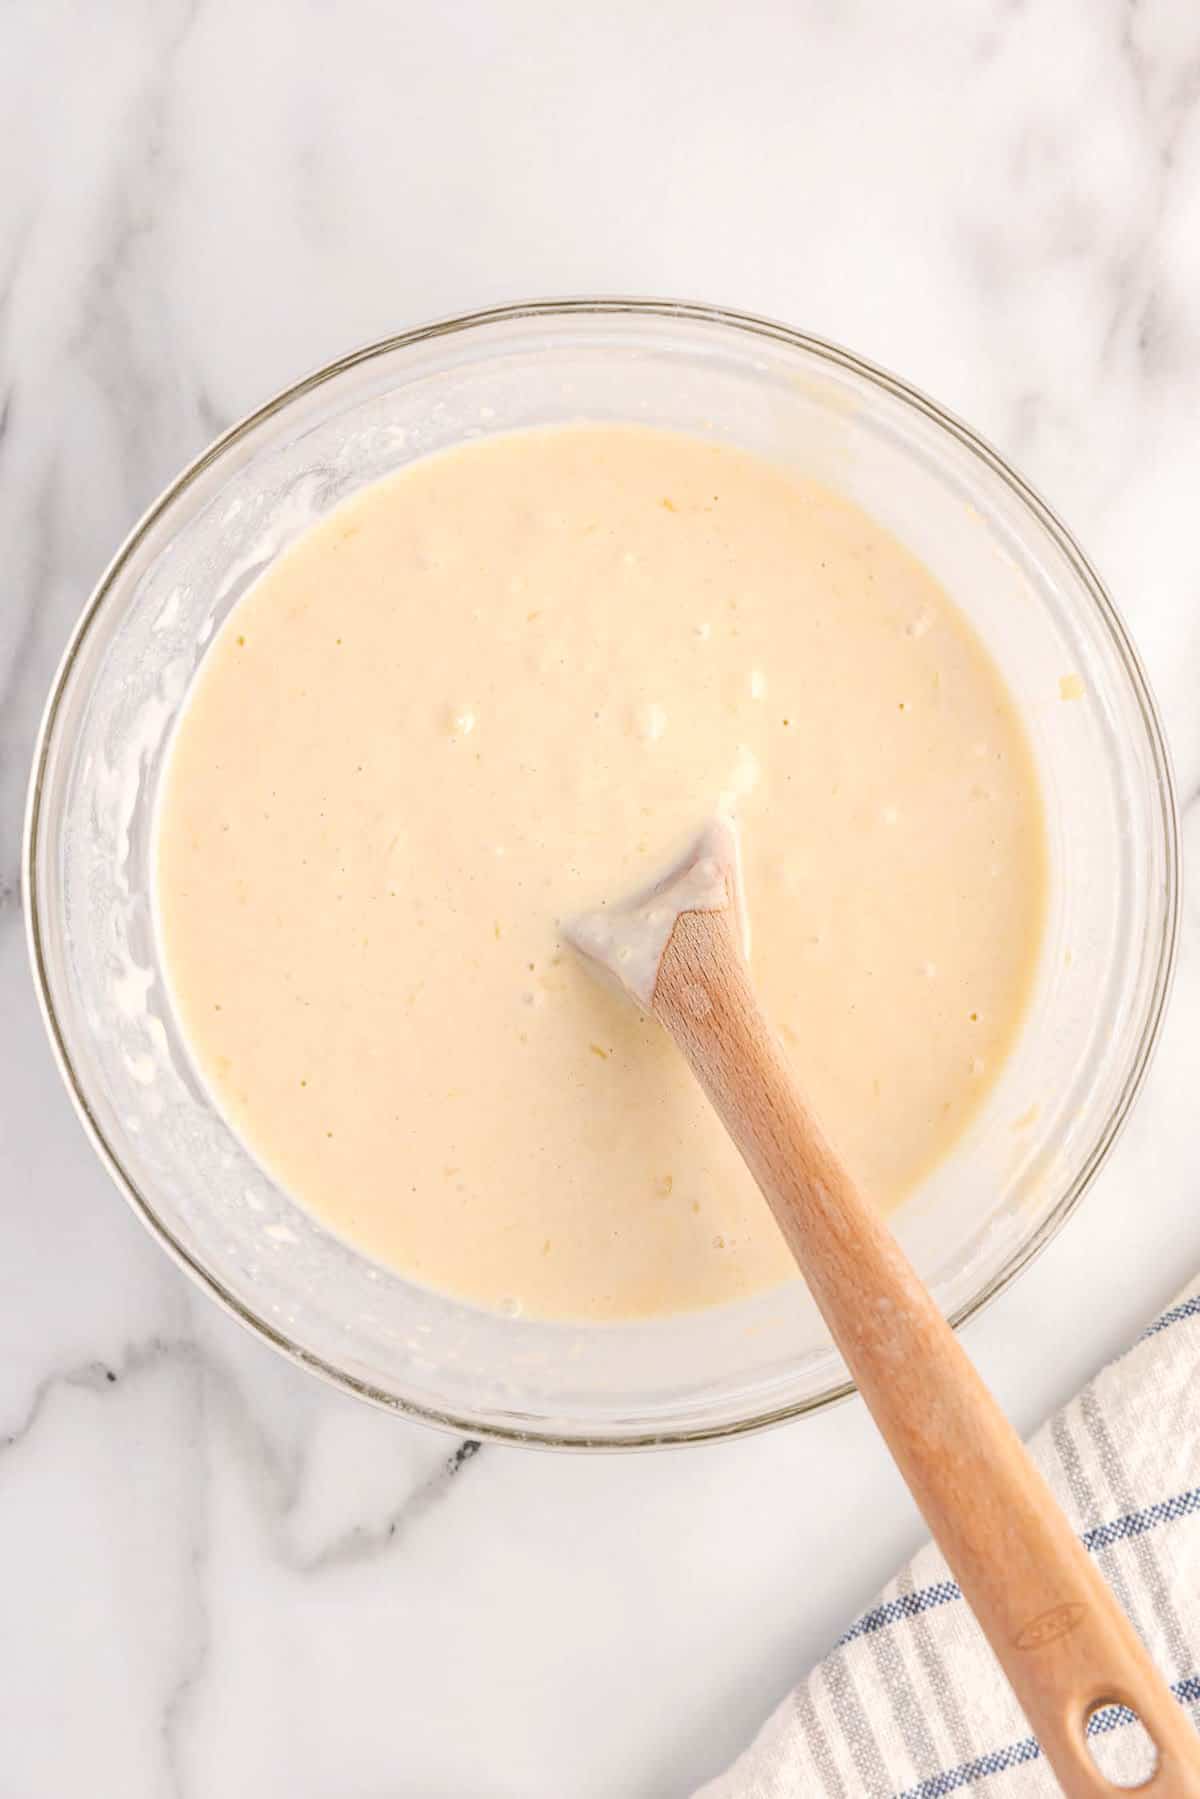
1136, 1524
894, 1611
1187, 1308
1112, 1717
1102, 1536
996, 1761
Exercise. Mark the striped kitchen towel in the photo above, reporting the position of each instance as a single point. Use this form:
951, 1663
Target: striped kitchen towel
911, 1703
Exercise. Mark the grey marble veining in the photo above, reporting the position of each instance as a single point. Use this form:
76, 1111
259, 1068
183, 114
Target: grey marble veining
218, 1578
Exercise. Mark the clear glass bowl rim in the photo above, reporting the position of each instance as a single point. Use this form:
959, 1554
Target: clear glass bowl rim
744, 323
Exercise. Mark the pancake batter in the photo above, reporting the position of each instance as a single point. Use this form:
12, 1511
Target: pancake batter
501, 686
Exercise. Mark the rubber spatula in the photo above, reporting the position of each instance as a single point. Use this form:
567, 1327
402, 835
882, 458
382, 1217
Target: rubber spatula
1060, 1636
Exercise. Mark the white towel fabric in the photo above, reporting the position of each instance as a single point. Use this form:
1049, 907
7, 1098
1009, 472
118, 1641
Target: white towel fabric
911, 1703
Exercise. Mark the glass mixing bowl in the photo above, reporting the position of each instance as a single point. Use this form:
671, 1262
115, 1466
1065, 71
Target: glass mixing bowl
1104, 974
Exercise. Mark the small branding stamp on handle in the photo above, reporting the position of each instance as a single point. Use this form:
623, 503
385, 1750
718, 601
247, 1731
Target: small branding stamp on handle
1047, 1627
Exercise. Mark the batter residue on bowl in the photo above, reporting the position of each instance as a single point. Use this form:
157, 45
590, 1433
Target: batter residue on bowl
506, 683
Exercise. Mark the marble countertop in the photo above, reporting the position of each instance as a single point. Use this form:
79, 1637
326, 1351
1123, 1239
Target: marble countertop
218, 1578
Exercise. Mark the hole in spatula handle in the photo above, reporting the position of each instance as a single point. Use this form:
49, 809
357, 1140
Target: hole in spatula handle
1119, 1744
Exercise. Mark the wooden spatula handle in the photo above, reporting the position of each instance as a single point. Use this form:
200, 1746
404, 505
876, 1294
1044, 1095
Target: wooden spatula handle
1053, 1623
